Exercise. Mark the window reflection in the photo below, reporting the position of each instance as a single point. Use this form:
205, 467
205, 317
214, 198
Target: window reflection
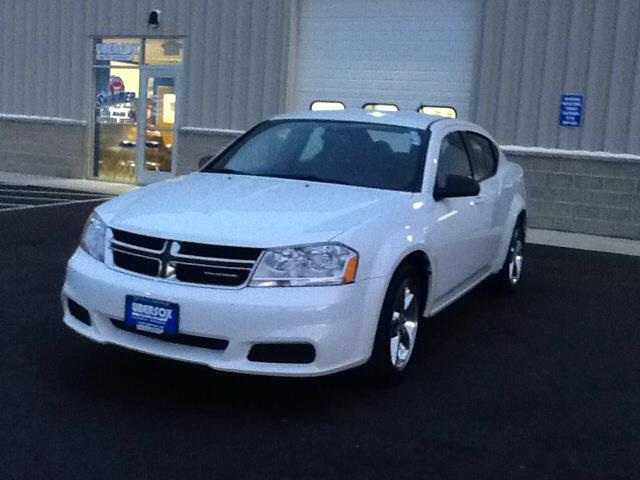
117, 91
161, 108
115, 151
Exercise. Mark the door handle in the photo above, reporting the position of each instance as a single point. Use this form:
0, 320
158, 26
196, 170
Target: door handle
479, 200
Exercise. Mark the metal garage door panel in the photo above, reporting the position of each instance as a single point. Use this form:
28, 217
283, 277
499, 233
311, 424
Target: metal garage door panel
406, 52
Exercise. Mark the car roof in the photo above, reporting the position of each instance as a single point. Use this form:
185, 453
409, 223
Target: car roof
401, 118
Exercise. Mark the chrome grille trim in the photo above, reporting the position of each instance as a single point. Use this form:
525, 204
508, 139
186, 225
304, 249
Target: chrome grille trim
211, 265
196, 270
214, 259
137, 247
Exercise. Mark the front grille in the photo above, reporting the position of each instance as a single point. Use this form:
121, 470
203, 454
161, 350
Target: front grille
138, 240
183, 261
136, 263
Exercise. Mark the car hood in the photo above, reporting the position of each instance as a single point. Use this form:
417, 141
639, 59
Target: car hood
247, 211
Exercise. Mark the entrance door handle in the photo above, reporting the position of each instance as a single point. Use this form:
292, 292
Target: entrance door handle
479, 200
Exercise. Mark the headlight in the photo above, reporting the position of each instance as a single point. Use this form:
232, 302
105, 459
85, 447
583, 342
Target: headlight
320, 264
93, 237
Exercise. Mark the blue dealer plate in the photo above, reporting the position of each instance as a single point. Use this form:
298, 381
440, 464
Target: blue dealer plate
150, 315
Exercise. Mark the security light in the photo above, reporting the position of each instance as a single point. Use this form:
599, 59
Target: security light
154, 18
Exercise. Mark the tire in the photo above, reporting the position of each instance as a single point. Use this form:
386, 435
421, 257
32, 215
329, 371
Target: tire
509, 276
397, 329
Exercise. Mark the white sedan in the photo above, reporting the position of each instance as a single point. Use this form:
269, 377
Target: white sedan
315, 243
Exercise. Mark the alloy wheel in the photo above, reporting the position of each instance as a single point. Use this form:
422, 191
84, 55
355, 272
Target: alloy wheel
404, 326
516, 257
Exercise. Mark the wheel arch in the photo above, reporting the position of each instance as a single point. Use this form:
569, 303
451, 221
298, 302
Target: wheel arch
522, 218
419, 260
517, 214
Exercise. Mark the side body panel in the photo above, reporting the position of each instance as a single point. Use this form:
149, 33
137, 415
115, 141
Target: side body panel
462, 246
462, 234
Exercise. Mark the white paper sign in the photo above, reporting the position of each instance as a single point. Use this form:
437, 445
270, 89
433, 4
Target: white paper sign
118, 52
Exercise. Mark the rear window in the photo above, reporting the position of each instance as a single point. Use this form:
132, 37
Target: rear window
352, 153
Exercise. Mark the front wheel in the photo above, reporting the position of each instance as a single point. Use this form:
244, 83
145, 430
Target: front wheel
397, 326
509, 276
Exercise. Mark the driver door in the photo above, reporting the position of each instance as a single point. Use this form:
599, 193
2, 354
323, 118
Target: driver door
457, 233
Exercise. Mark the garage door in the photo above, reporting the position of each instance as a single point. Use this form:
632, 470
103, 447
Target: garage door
406, 52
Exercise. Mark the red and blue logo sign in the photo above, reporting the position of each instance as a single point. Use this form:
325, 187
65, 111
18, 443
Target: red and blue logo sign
116, 85
116, 94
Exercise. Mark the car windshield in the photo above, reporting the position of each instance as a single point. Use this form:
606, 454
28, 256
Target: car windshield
349, 153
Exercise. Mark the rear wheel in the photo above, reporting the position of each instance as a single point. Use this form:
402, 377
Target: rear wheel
508, 278
397, 326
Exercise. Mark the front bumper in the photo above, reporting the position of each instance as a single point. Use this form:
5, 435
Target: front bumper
339, 321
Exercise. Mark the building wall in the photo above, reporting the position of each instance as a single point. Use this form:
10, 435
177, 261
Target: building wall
535, 51
236, 53
532, 52
235, 68
594, 194
44, 147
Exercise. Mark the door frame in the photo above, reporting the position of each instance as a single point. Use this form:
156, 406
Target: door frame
174, 70
144, 176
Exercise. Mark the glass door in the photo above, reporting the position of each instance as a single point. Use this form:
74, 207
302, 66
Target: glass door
157, 139
117, 80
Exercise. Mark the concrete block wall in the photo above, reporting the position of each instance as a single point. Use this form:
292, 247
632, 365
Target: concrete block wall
43, 148
596, 194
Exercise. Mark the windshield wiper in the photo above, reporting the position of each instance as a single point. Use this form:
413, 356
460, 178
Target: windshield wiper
226, 170
310, 178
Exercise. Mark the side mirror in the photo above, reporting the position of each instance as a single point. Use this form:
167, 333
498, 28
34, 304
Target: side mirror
457, 186
203, 161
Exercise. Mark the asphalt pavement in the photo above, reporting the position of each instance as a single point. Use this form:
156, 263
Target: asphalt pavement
541, 385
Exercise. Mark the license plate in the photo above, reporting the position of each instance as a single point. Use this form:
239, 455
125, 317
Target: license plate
149, 315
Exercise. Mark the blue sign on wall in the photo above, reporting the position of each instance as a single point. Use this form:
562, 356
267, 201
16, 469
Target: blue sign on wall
571, 110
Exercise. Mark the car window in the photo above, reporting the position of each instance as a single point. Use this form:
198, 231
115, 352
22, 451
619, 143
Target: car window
453, 159
314, 145
354, 153
483, 156
397, 143
253, 156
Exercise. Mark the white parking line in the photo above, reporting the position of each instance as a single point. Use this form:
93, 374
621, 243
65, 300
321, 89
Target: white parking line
48, 199
49, 192
31, 207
